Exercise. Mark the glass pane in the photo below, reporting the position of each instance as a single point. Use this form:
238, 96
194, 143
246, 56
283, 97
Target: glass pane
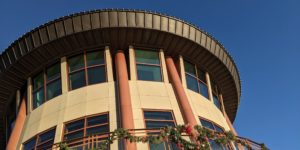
189, 68
207, 124
95, 58
74, 126
38, 81
159, 124
45, 146
158, 115
203, 90
76, 63
236, 146
192, 83
47, 136
160, 146
77, 80
53, 89
214, 145
97, 120
30, 144
96, 75
97, 130
149, 57
219, 129
201, 75
216, 101
75, 135
38, 98
53, 72
149, 73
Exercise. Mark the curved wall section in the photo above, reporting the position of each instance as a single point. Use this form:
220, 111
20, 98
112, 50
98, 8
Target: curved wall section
90, 100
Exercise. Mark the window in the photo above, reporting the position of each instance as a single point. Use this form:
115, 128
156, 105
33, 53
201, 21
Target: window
196, 79
86, 69
43, 140
148, 65
46, 85
96, 126
217, 101
215, 91
160, 119
212, 126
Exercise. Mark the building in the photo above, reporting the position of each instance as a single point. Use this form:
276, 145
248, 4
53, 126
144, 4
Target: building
95, 71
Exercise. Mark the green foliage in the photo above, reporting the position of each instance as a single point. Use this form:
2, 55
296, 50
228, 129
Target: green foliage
199, 138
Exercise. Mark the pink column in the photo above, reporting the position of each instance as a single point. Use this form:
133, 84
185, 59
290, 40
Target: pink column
182, 99
17, 130
124, 96
230, 124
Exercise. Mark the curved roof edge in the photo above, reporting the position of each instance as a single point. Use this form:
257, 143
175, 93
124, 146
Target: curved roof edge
10, 55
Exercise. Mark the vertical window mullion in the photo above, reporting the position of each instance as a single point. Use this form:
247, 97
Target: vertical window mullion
45, 86
85, 69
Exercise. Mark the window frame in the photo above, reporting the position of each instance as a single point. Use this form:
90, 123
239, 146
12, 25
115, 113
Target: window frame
45, 83
37, 138
158, 110
228, 146
215, 91
212, 122
148, 64
85, 68
84, 129
196, 77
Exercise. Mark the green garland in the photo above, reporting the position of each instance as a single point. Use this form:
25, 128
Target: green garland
200, 138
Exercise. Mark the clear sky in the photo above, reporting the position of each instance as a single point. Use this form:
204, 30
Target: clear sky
263, 36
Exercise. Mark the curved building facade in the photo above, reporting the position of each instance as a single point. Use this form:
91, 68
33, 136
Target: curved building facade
93, 72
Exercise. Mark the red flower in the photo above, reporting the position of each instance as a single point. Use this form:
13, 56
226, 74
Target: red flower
189, 129
179, 145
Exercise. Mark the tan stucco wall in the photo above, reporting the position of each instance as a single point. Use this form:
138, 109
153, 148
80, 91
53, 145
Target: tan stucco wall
74, 104
205, 108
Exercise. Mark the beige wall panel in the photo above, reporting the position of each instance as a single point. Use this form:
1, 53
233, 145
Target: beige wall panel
88, 100
206, 109
155, 102
147, 88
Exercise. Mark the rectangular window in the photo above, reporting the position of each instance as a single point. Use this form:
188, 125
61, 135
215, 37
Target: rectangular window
160, 119
195, 79
217, 101
86, 69
210, 125
95, 128
46, 85
148, 65
43, 140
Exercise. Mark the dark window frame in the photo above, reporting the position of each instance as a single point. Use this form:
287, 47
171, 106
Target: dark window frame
228, 146
149, 64
196, 76
212, 122
45, 84
85, 127
158, 120
85, 68
37, 136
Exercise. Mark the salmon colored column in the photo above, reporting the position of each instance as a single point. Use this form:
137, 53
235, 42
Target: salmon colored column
124, 96
230, 125
17, 130
182, 99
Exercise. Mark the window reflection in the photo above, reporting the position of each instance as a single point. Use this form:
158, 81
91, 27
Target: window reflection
148, 65
86, 69
46, 85
195, 79
160, 119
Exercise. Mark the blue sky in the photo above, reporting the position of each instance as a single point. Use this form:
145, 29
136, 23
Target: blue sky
261, 35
